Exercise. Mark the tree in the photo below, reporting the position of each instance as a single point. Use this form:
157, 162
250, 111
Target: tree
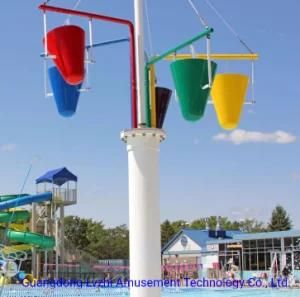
91, 237
280, 220
117, 245
251, 226
198, 224
76, 231
178, 225
167, 231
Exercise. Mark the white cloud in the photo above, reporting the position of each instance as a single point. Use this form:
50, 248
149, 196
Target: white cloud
7, 147
242, 136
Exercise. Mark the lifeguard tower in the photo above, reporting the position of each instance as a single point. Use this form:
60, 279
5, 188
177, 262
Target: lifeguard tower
48, 218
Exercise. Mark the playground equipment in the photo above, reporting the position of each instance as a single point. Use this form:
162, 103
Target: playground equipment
67, 50
191, 83
49, 217
194, 79
193, 75
162, 97
10, 264
68, 58
66, 95
20, 240
228, 94
47, 232
228, 90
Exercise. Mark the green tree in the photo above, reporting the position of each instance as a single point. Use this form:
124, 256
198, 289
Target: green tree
251, 226
117, 244
212, 222
235, 225
95, 234
198, 224
76, 231
280, 220
178, 225
91, 237
167, 231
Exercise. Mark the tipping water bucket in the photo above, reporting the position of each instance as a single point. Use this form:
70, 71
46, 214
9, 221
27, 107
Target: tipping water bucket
66, 96
162, 96
228, 94
191, 82
67, 44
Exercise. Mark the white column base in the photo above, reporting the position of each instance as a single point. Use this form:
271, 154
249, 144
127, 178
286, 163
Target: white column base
144, 207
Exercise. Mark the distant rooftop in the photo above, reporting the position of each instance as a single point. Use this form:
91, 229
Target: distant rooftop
204, 237
265, 235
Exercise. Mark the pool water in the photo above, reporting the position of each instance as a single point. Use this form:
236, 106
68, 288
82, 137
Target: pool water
19, 291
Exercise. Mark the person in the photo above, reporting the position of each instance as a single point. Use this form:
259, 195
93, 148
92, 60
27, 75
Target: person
166, 274
285, 272
181, 276
264, 277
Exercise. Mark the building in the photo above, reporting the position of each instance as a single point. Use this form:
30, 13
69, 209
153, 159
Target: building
217, 253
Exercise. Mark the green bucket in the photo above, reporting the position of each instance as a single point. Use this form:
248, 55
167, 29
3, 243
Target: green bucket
191, 83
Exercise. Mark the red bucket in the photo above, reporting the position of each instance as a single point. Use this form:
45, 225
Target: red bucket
67, 44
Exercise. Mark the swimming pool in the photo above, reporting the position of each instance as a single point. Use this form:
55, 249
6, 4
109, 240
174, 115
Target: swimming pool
19, 291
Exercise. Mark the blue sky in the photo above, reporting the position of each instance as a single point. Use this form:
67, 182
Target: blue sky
203, 172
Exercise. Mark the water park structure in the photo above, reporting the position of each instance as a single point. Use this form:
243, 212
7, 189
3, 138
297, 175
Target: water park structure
29, 235
195, 78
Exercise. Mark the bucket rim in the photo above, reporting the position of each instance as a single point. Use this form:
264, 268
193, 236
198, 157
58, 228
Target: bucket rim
163, 88
232, 74
194, 60
64, 27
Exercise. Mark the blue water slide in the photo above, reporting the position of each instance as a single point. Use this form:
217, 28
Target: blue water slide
25, 200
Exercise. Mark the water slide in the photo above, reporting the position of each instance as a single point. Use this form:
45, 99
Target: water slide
17, 201
38, 240
27, 239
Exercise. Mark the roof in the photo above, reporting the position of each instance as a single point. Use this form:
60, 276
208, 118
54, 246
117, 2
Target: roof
229, 240
201, 237
57, 176
265, 235
233, 233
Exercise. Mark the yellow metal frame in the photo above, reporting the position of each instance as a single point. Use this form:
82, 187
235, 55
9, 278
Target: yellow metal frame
236, 57
172, 57
152, 95
15, 248
18, 227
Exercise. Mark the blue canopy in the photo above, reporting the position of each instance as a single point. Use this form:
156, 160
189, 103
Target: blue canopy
57, 176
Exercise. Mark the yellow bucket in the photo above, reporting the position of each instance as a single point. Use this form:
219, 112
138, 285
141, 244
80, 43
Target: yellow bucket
228, 94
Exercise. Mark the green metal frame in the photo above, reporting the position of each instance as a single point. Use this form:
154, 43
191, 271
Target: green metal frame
158, 58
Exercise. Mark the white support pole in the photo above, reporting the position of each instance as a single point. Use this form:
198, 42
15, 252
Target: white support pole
38, 265
139, 59
144, 207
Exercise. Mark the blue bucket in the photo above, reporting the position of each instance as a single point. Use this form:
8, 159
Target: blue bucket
66, 96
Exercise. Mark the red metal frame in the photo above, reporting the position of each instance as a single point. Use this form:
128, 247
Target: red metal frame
130, 25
